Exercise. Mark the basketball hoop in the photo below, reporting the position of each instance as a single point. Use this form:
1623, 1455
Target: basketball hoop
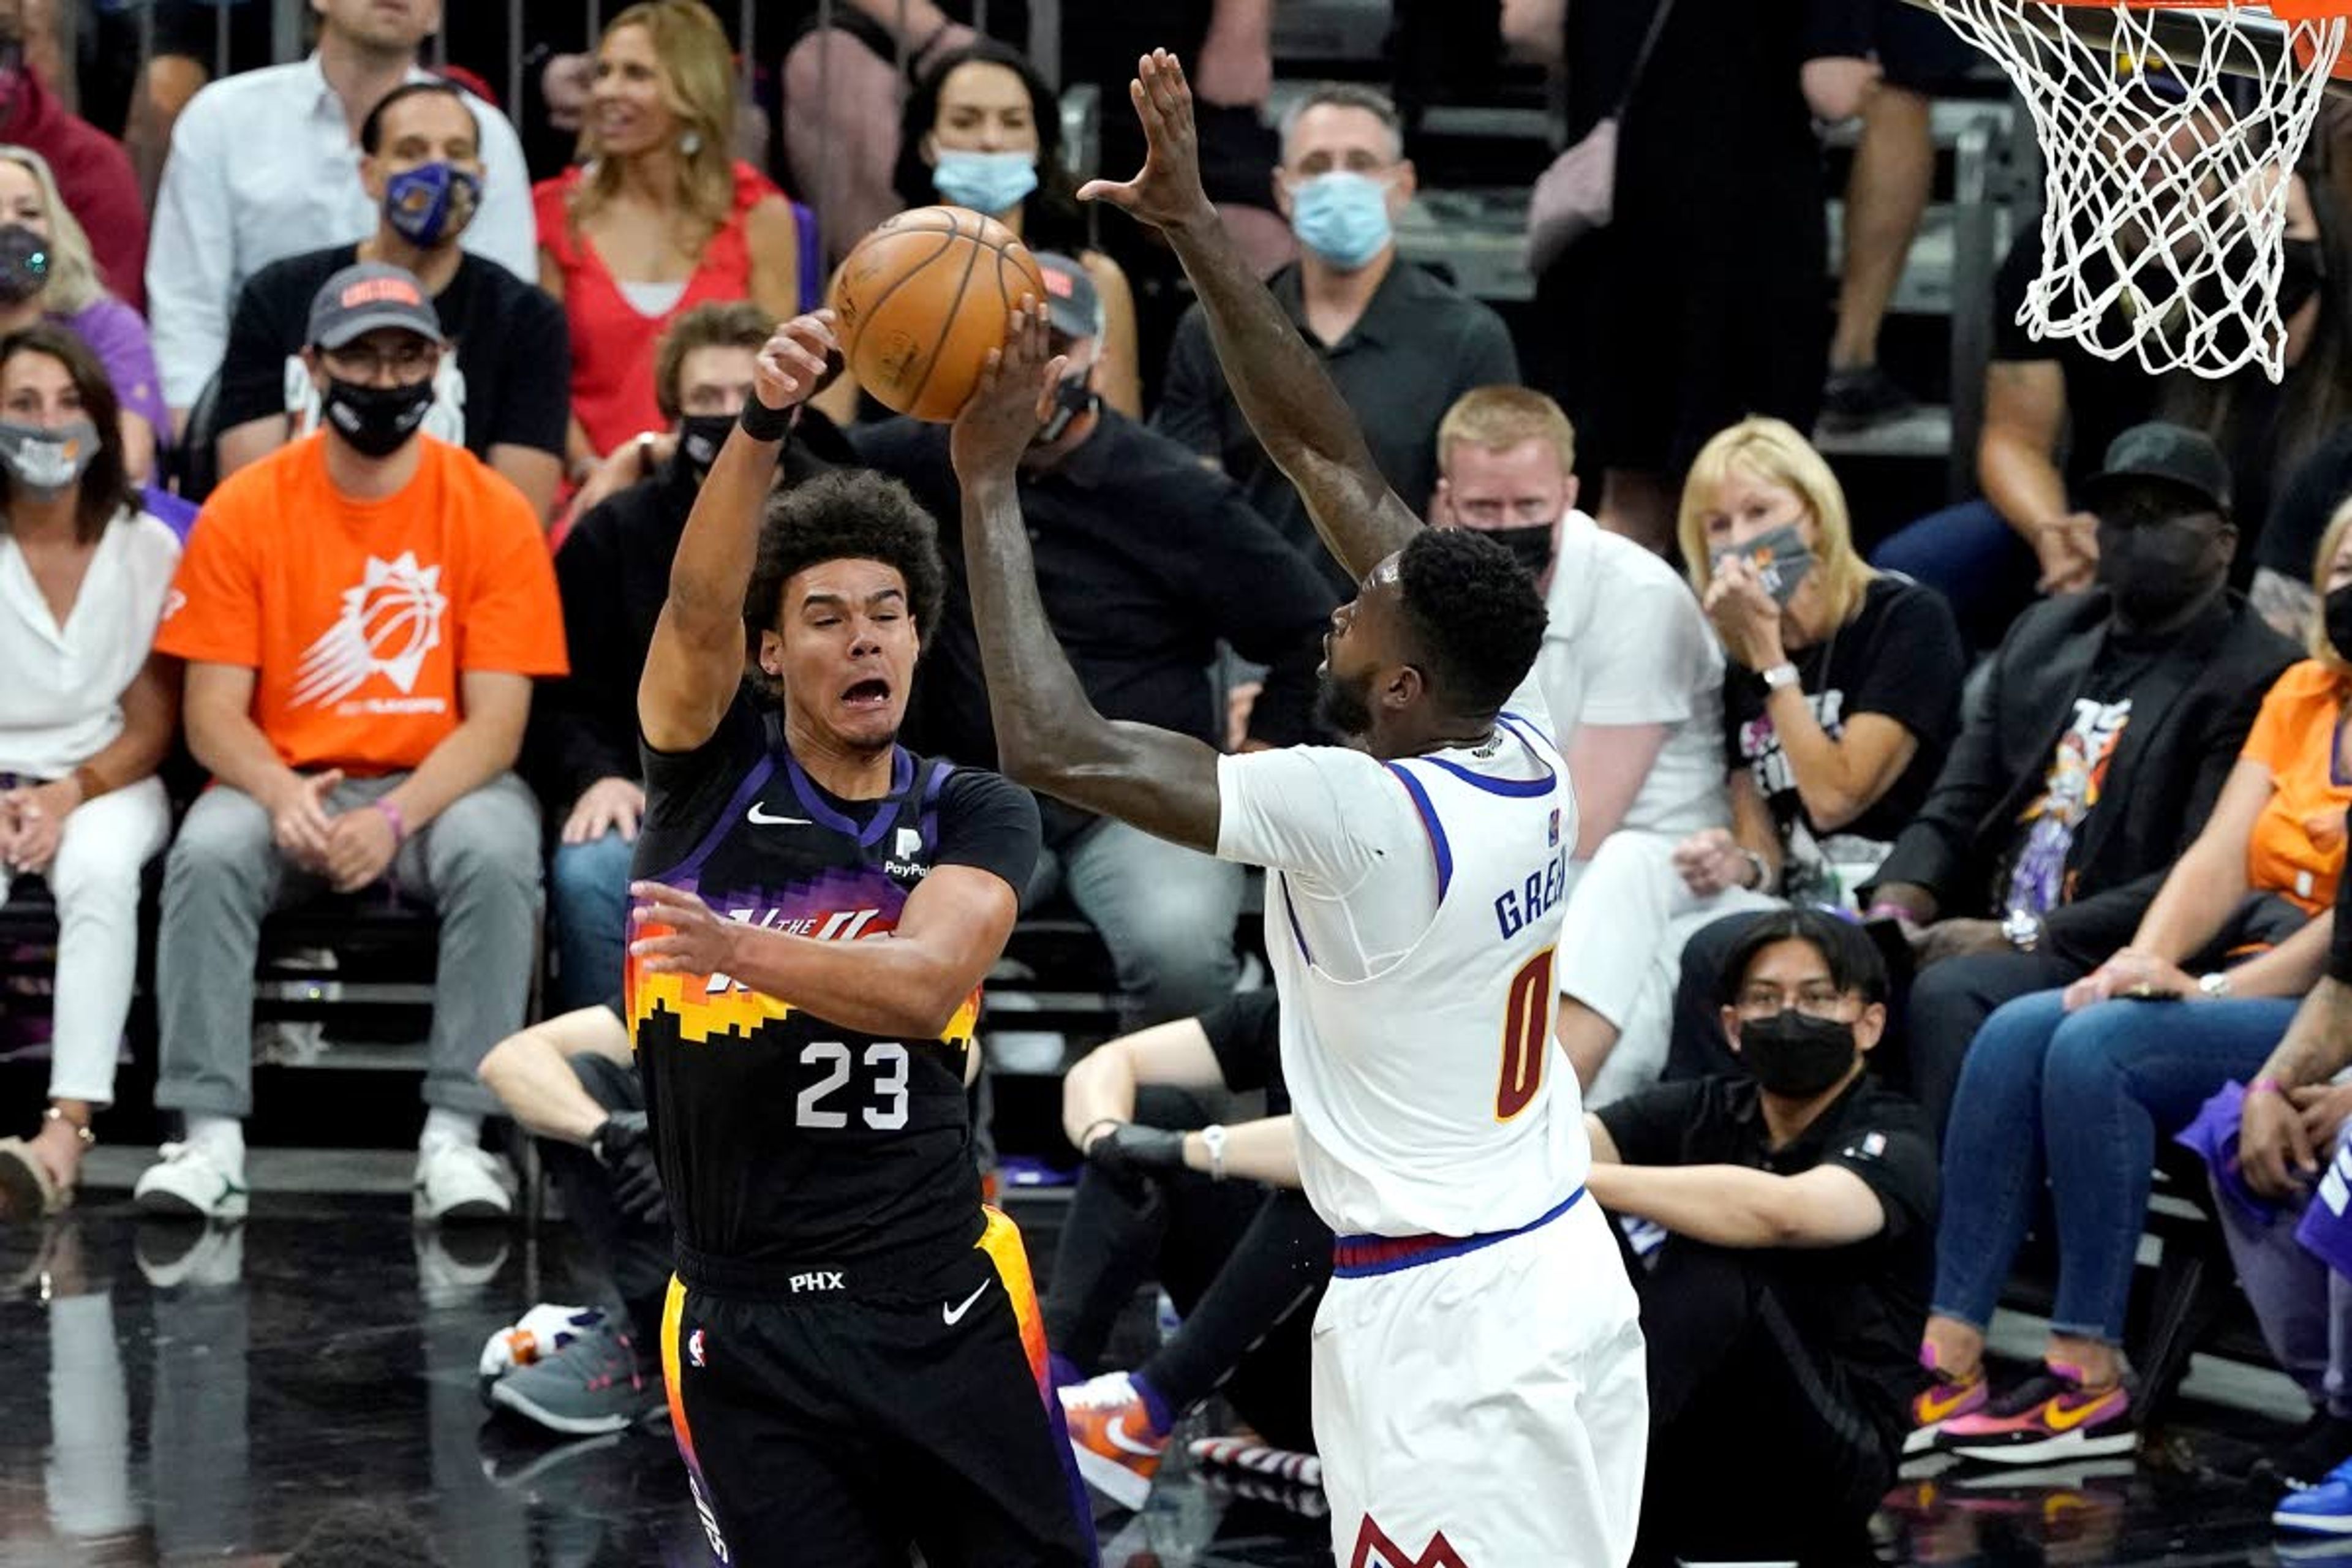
2168, 129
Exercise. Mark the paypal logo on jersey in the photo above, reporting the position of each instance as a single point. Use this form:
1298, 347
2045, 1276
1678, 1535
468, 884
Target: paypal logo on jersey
1521, 905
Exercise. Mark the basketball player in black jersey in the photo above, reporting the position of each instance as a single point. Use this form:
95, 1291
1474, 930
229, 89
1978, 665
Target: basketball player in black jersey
852, 1346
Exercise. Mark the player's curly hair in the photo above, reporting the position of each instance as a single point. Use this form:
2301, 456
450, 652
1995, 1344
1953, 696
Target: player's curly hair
853, 514
1476, 613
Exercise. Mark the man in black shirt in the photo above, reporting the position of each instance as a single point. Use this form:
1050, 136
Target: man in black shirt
1783, 1309
1146, 561
501, 394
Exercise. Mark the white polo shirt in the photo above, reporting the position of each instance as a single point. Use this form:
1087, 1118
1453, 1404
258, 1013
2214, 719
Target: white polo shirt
61, 698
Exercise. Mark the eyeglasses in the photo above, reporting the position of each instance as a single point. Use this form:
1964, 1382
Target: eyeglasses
407, 362
1816, 1001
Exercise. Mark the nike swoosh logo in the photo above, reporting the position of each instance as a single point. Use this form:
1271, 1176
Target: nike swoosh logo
954, 1315
764, 820
1117, 1432
2063, 1417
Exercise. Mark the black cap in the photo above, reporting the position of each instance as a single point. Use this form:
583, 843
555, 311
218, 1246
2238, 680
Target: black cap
2170, 453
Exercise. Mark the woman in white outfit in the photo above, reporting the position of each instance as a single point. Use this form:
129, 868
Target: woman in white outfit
85, 717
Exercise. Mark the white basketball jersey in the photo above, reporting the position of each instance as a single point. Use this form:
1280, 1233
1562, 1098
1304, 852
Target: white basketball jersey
1429, 1095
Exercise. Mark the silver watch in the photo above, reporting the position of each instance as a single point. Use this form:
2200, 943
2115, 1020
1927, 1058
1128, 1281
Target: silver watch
2021, 930
2215, 986
1782, 674
1213, 1138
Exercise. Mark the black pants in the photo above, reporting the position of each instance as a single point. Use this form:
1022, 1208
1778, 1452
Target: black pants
844, 1420
634, 1254
1244, 1264
1758, 1446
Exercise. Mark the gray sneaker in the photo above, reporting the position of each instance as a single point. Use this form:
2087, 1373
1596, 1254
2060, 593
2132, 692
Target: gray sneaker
592, 1385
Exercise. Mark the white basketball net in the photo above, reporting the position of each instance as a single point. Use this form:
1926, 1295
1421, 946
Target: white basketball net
2165, 196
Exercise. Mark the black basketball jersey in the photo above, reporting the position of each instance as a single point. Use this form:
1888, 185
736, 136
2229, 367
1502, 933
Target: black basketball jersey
785, 1138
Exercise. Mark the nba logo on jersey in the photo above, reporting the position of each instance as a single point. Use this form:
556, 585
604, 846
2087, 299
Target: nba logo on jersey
694, 1348
1375, 1550
1555, 827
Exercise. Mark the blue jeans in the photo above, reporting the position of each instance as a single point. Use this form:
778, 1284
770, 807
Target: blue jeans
1972, 557
2078, 1100
589, 887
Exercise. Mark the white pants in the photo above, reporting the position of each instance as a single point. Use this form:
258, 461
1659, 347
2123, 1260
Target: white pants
1499, 1399
1629, 915
95, 882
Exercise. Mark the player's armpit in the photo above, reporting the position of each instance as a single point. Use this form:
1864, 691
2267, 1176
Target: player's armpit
1164, 782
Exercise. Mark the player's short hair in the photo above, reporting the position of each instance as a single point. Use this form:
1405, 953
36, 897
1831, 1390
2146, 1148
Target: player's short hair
1347, 95
1854, 966
714, 323
1475, 616
364, 1535
1501, 417
855, 514
1772, 450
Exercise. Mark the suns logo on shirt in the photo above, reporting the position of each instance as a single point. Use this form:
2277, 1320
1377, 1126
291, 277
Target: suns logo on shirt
389, 623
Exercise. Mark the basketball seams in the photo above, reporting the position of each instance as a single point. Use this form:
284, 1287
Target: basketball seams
873, 308
944, 320
947, 318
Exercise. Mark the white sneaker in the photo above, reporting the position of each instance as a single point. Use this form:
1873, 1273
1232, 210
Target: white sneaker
175, 1255
461, 1183
188, 1184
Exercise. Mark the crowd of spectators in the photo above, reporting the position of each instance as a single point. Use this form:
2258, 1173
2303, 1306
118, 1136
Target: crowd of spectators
362, 484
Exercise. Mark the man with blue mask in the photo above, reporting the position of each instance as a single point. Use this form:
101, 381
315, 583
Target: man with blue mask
501, 394
1400, 344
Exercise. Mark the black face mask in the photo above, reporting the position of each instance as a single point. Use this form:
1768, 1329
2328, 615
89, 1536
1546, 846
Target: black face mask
1531, 545
23, 264
699, 437
1795, 1054
376, 420
2339, 622
2301, 272
2156, 569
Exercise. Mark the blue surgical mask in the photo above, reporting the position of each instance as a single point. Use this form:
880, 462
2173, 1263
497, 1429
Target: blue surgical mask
431, 203
988, 182
1342, 217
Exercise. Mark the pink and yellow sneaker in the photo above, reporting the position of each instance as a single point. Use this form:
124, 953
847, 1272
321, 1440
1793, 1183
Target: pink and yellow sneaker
1946, 1399
2050, 1415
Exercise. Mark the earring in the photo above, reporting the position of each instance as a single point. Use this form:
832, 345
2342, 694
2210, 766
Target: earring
690, 144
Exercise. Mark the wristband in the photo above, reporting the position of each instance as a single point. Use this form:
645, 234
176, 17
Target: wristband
399, 823
763, 423
2266, 1084
90, 781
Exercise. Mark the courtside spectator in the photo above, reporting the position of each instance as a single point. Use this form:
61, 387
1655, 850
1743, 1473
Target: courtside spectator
1214, 1212
46, 274
981, 130
659, 218
265, 164
2306, 506
362, 612
1148, 563
2105, 731
2072, 1087
1634, 680
91, 167
86, 715
1799, 1201
1400, 344
500, 393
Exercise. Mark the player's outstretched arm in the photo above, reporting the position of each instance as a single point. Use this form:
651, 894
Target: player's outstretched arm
1048, 735
696, 660
1301, 420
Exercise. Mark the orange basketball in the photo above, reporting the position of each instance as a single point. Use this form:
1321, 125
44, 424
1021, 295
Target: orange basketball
922, 300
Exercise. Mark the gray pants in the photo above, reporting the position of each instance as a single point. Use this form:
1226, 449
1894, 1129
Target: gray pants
2303, 1306
477, 864
1165, 912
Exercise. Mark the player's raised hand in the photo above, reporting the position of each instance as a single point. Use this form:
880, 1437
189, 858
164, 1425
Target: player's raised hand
1167, 192
697, 939
1012, 400
792, 364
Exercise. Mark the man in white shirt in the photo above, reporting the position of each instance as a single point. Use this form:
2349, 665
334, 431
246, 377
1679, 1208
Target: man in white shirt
1633, 678
266, 164
1479, 1391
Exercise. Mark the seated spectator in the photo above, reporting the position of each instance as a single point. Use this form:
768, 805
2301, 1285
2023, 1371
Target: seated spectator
1397, 342
1142, 555
981, 131
2073, 1087
1215, 1213
46, 274
265, 164
361, 613
86, 715
1799, 1201
1634, 680
501, 394
571, 1083
101, 188
659, 218
613, 571
2307, 504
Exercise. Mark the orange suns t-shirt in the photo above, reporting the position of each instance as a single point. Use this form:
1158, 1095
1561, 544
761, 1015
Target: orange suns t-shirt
2297, 847
359, 616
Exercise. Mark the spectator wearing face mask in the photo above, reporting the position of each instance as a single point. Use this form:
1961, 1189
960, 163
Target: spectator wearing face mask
47, 274
1634, 679
499, 394
981, 131
1397, 342
612, 572
1798, 1197
90, 167
1148, 563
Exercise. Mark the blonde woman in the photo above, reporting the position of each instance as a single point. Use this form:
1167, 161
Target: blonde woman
47, 274
659, 218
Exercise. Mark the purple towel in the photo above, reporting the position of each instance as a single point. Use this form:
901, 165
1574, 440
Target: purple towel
2214, 1138
2327, 1230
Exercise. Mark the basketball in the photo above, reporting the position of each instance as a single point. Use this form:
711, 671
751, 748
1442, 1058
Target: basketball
920, 301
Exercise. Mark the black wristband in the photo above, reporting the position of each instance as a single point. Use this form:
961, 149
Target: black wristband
763, 423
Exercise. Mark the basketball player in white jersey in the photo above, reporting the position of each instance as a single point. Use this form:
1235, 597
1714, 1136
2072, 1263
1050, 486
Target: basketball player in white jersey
1479, 1397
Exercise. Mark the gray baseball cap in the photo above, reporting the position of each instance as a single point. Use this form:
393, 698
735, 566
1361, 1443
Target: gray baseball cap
1073, 308
360, 299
